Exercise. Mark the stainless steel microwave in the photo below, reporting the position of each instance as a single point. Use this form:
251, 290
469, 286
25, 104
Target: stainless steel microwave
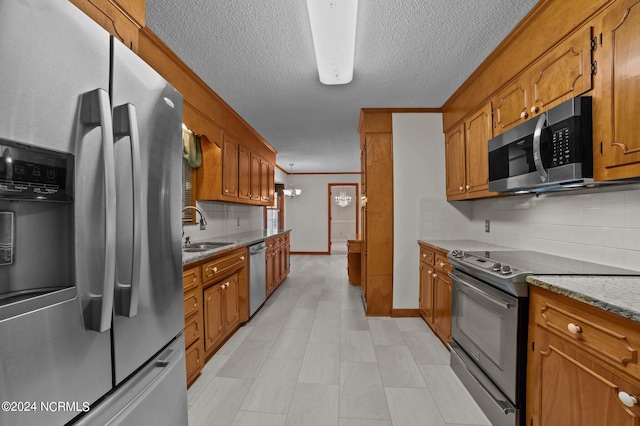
549, 152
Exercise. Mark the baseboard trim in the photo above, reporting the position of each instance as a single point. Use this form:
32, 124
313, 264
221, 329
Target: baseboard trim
311, 252
405, 313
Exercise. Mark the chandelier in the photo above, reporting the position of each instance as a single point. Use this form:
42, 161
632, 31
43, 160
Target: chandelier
291, 191
342, 199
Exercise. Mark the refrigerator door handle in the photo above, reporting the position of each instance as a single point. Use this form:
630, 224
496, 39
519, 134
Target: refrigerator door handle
125, 123
95, 110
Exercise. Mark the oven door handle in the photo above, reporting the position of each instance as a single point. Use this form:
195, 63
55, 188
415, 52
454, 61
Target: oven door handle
482, 293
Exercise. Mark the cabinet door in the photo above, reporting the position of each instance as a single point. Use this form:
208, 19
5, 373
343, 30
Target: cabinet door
213, 321
563, 73
455, 163
478, 131
270, 271
512, 105
229, 167
266, 182
442, 305
244, 173
256, 172
571, 389
231, 304
616, 123
426, 293
194, 359
363, 169
277, 265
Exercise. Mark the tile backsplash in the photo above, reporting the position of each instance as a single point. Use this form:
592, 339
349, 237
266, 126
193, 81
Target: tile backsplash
224, 219
599, 225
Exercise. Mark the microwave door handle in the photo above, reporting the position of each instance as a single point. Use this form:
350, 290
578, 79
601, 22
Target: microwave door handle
125, 123
537, 158
95, 110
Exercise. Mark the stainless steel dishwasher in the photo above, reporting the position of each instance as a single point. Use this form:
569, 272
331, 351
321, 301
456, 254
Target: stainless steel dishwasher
257, 277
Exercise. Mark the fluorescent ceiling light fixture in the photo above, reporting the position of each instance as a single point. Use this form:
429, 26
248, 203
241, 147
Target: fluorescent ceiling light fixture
333, 27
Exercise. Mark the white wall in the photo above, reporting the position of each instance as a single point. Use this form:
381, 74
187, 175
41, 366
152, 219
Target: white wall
418, 175
308, 215
597, 225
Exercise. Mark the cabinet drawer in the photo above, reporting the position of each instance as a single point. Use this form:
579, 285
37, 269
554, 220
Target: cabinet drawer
611, 340
442, 262
194, 358
221, 266
190, 278
191, 302
427, 255
270, 243
191, 330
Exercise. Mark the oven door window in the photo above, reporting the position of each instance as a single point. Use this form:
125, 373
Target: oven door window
483, 326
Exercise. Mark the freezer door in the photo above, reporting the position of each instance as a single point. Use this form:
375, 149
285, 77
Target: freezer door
148, 150
155, 395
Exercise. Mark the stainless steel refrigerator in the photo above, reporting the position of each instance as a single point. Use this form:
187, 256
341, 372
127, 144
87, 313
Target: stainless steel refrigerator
91, 306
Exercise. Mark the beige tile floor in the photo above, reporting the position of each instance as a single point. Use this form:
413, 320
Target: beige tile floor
311, 357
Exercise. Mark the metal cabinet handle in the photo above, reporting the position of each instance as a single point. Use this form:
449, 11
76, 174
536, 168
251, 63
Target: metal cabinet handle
241, 257
214, 269
442, 264
574, 329
524, 114
534, 109
461, 188
424, 255
628, 400
468, 187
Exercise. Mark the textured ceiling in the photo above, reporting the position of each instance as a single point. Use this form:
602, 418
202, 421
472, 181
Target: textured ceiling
258, 56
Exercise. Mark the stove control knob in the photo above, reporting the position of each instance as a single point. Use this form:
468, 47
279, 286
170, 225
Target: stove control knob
458, 254
497, 266
506, 269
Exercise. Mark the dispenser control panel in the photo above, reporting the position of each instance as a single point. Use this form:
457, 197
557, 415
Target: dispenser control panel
32, 173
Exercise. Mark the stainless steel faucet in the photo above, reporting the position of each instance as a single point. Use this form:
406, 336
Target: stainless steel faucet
203, 221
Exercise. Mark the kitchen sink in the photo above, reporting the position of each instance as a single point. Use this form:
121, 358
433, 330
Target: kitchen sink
204, 246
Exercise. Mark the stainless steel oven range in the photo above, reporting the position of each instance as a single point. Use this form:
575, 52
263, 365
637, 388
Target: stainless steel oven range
489, 323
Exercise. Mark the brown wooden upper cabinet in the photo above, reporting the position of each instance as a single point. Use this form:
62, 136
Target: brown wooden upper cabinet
467, 166
617, 110
231, 171
564, 72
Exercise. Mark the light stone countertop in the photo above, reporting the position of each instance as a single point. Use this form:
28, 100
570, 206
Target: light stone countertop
242, 239
618, 295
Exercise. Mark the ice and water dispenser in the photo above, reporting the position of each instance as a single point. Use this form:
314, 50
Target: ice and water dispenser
36, 222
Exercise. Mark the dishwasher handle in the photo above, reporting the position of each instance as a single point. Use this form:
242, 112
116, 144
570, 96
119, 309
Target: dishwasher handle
257, 248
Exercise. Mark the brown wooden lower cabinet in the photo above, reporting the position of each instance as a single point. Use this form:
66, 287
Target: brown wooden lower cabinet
354, 261
435, 290
192, 286
277, 258
220, 312
216, 298
580, 360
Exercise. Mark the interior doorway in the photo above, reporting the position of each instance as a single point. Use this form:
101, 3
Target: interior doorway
343, 215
